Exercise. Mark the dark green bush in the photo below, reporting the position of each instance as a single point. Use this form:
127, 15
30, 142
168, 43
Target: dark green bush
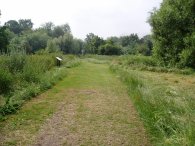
16, 63
6, 81
141, 60
110, 49
9, 109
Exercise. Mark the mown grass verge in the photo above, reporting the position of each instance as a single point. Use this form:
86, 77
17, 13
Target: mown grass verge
167, 110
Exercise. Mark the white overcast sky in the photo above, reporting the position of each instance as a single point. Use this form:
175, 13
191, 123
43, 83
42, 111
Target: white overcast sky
102, 17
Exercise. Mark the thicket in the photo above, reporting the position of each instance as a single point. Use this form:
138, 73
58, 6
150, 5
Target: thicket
174, 33
130, 44
25, 76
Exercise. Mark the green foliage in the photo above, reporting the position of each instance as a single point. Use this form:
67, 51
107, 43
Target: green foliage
3, 40
8, 109
23, 77
93, 42
143, 49
25, 24
16, 63
173, 32
78, 46
132, 39
52, 46
48, 27
37, 40
13, 26
166, 112
35, 66
132, 60
132, 44
61, 30
147, 63
66, 43
6, 81
110, 49
19, 26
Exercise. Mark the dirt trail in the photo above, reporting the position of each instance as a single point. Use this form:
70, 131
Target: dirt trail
95, 110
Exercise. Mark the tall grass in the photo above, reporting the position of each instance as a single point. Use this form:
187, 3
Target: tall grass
168, 113
148, 63
23, 77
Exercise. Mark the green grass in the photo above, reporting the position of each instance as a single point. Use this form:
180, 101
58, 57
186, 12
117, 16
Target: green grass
165, 103
93, 103
90, 104
147, 63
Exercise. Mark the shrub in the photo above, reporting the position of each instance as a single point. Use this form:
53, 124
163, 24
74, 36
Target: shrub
16, 62
110, 49
173, 32
35, 66
6, 81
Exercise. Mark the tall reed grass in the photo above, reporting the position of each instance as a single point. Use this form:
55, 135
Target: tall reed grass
25, 76
148, 63
167, 112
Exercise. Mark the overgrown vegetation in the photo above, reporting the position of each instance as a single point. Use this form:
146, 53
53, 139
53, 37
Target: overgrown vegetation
158, 69
148, 63
23, 77
174, 33
166, 108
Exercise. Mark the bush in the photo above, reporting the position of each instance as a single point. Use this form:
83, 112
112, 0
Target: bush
32, 75
8, 109
140, 60
173, 32
35, 66
6, 81
148, 63
110, 49
16, 62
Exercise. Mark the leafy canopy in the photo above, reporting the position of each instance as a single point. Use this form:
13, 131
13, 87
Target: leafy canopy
173, 28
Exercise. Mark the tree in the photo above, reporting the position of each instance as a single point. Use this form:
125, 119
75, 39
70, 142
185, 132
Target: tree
130, 40
13, 26
109, 49
19, 44
145, 46
21, 25
66, 28
61, 30
66, 43
174, 32
25, 24
3, 40
58, 31
48, 27
52, 45
78, 46
93, 42
37, 40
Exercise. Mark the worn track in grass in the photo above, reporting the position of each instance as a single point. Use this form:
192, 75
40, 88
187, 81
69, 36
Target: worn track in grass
89, 107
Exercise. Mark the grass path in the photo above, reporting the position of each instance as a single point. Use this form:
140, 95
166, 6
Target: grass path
89, 107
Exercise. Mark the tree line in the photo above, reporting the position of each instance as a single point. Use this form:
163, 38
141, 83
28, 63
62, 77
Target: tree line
172, 42
19, 36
